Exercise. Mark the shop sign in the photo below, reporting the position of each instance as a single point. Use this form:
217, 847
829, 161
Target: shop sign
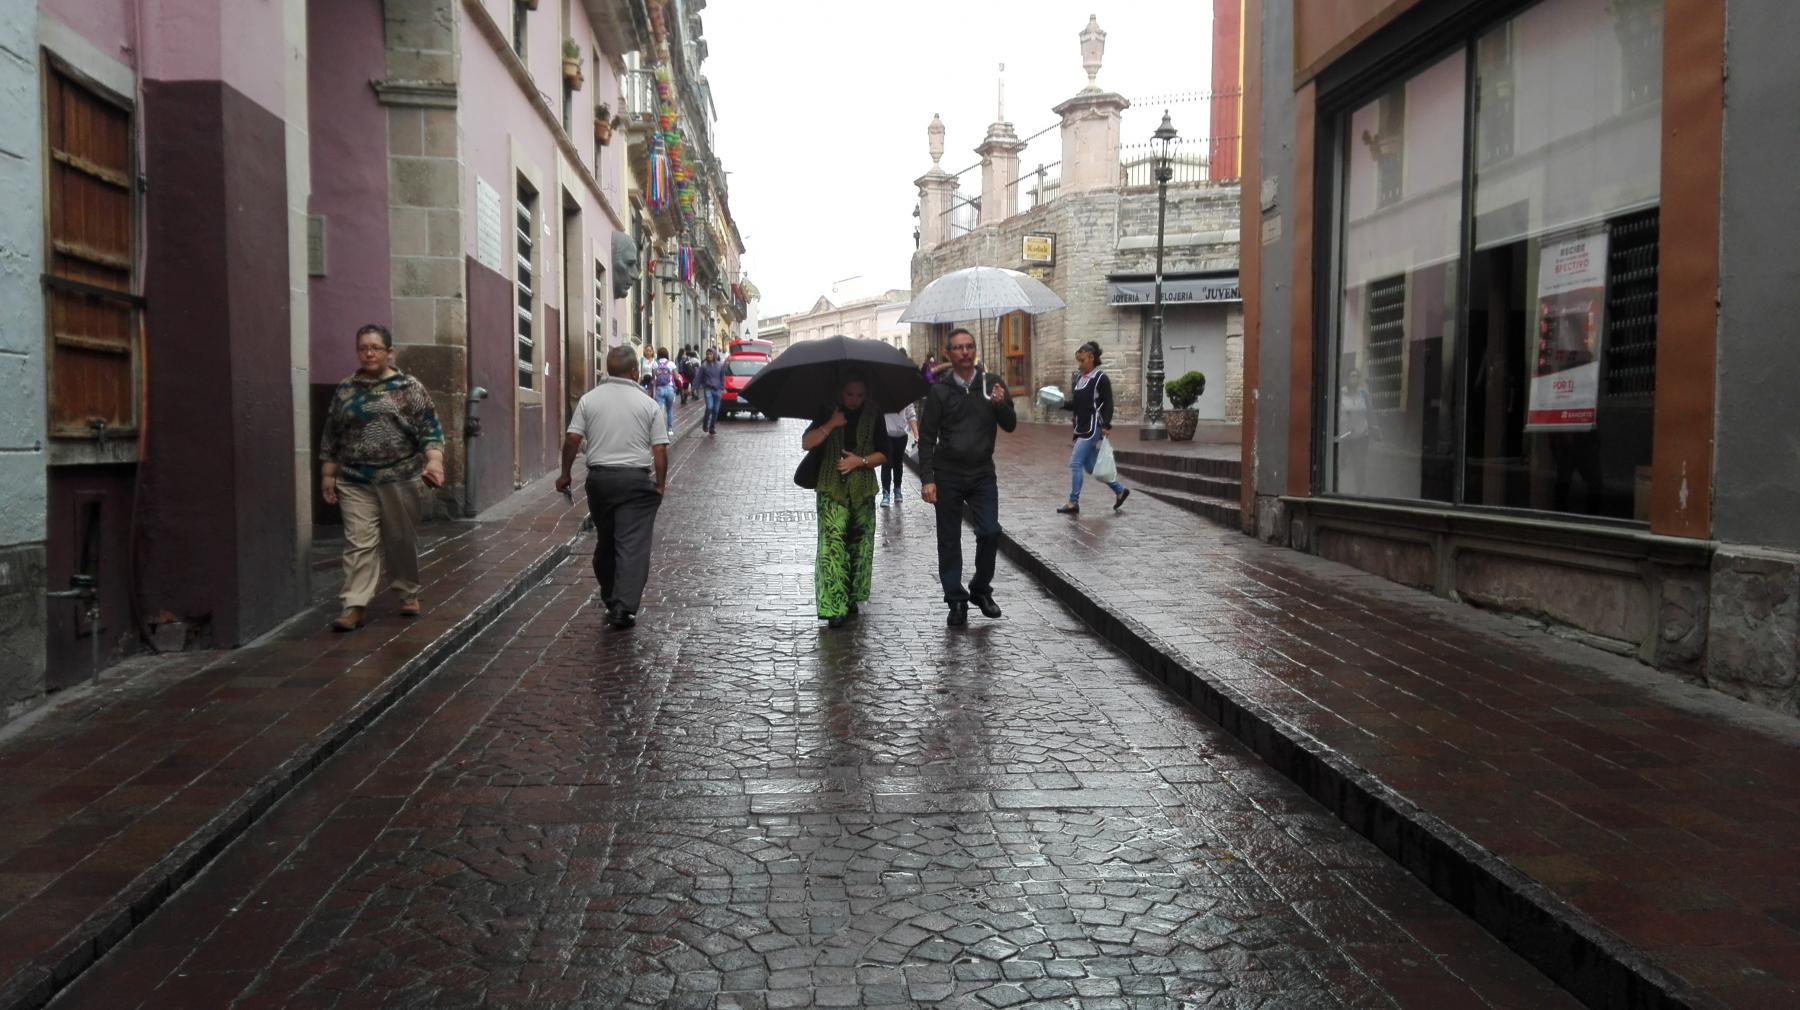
1040, 249
1175, 291
1571, 314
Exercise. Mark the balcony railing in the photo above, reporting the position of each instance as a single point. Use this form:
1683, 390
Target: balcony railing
1138, 166
640, 96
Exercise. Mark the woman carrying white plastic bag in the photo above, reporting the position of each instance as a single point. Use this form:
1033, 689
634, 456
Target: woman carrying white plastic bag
1093, 406
1106, 465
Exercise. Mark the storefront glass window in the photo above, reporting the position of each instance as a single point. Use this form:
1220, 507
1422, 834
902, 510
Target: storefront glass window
1518, 372
1392, 434
1562, 298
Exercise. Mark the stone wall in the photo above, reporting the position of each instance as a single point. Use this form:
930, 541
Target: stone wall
1753, 639
22, 506
427, 277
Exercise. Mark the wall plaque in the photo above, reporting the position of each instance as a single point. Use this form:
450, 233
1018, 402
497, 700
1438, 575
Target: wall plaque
487, 226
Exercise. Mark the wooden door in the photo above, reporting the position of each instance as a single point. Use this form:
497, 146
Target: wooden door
93, 307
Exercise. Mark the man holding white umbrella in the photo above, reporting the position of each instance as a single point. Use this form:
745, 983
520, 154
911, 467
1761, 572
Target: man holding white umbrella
958, 420
956, 468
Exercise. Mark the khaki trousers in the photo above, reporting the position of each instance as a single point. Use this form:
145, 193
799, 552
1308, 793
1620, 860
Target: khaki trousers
379, 517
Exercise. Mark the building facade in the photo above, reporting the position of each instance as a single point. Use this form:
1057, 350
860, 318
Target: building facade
208, 198
155, 433
1091, 236
694, 295
1478, 368
872, 318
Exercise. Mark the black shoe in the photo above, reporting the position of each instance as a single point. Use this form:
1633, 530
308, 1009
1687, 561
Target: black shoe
850, 615
1069, 510
619, 617
959, 615
1120, 498
835, 622
989, 608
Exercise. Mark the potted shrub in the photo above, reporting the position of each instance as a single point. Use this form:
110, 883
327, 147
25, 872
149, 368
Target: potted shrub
604, 122
572, 63
1183, 393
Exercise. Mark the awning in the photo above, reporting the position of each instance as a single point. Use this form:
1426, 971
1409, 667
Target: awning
1189, 289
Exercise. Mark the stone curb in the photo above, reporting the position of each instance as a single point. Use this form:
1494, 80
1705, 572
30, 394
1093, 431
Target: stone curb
1593, 964
37, 986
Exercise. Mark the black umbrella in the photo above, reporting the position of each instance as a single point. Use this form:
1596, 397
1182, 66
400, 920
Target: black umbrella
804, 380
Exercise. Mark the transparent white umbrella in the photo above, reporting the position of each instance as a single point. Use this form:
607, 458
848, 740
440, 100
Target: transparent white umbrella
980, 293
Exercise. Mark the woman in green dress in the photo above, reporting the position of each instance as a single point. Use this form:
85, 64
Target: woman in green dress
852, 436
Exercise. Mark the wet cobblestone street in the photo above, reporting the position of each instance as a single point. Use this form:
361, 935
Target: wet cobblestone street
732, 806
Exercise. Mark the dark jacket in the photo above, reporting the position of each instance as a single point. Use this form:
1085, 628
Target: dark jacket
956, 428
1092, 404
711, 375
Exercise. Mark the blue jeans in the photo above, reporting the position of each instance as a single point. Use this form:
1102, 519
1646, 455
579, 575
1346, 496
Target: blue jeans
712, 409
665, 395
1081, 461
981, 494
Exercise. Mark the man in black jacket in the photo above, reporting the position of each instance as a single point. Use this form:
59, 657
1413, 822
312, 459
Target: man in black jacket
956, 467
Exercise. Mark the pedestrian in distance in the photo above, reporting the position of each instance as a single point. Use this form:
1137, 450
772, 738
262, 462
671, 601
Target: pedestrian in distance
929, 370
690, 363
956, 468
899, 425
646, 361
851, 440
1093, 406
622, 438
662, 386
710, 377
381, 449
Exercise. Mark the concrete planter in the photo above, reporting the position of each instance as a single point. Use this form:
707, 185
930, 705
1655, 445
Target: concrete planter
1181, 424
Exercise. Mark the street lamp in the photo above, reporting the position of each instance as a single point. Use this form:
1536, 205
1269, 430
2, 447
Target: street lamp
1152, 429
665, 272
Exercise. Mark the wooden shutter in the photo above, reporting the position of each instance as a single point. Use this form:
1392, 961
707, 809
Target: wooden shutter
94, 311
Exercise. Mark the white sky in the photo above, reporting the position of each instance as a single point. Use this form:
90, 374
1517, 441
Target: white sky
823, 106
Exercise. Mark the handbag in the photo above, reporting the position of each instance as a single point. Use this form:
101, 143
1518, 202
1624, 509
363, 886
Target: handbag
806, 475
1106, 467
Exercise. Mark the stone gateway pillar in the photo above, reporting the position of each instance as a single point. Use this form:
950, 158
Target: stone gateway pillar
937, 192
1090, 124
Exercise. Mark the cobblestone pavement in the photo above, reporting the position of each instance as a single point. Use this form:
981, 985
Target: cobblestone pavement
731, 806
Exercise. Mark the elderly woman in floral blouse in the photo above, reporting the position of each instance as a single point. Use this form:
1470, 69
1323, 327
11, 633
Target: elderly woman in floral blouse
381, 449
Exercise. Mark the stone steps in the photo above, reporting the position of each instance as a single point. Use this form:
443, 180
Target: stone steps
1175, 480
1224, 511
1209, 488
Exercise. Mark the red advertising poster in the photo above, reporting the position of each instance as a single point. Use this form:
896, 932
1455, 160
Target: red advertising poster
1571, 320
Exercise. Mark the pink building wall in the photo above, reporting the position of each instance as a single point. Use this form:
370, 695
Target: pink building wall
110, 25
499, 117
349, 179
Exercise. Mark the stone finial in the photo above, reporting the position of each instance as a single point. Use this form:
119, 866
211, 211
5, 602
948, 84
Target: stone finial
935, 134
1093, 47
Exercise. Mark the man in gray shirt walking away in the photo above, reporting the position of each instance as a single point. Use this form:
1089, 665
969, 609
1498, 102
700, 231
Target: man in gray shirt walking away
620, 434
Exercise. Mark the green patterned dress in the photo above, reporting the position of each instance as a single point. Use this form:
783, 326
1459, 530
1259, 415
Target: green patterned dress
846, 506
